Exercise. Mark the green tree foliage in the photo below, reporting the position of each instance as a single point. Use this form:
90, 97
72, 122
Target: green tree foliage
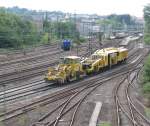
15, 32
122, 19
18, 29
113, 22
61, 30
147, 24
146, 77
147, 70
146, 87
44, 38
66, 30
117, 20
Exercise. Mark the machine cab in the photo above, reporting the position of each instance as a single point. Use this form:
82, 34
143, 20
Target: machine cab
70, 60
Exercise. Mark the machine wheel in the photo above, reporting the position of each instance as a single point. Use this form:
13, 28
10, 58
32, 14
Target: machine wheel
46, 80
68, 79
60, 81
77, 75
101, 70
96, 70
125, 60
88, 73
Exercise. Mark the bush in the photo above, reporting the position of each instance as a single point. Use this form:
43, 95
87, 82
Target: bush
146, 88
147, 38
16, 32
45, 39
146, 74
104, 124
147, 111
81, 39
147, 24
146, 78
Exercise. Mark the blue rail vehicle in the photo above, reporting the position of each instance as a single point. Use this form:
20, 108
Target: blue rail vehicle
66, 45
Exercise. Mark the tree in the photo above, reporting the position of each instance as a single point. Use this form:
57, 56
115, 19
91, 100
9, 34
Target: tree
16, 32
146, 75
147, 24
146, 79
66, 30
147, 70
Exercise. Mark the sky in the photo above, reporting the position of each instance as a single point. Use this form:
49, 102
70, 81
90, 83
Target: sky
100, 7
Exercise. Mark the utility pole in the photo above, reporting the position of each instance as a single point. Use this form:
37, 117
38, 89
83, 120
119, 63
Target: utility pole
89, 38
75, 34
57, 32
90, 35
59, 35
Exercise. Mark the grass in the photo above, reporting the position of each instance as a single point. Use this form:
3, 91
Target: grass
146, 78
146, 87
2, 124
147, 111
147, 38
104, 124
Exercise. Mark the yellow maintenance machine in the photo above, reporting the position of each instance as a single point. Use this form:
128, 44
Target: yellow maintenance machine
104, 58
69, 68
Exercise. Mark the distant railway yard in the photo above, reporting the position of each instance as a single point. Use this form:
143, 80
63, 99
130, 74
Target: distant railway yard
106, 93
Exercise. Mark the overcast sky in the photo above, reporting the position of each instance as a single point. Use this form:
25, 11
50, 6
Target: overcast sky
100, 7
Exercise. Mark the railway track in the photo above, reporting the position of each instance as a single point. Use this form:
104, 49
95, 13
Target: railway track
76, 105
47, 101
91, 80
23, 90
25, 62
124, 104
14, 56
15, 94
40, 56
136, 114
12, 113
30, 71
54, 97
127, 107
33, 88
43, 53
